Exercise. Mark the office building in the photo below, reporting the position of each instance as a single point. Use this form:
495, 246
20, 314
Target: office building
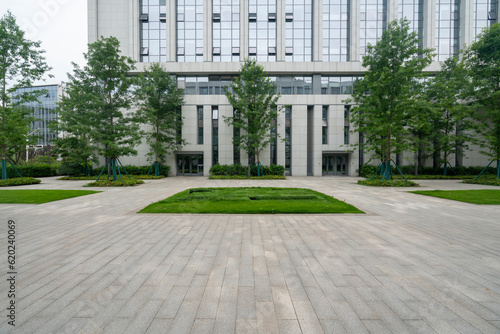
311, 48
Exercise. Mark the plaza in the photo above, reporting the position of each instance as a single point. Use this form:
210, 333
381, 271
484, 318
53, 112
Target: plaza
410, 264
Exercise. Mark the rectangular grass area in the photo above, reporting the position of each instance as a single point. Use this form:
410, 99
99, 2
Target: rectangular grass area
39, 196
250, 200
481, 196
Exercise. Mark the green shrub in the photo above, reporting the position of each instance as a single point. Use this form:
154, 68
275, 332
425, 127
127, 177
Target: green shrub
244, 177
389, 183
239, 170
19, 181
72, 169
367, 170
143, 170
110, 183
489, 181
32, 170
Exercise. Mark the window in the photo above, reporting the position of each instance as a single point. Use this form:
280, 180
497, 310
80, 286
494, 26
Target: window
252, 17
144, 17
189, 30
298, 30
289, 51
289, 17
336, 21
215, 135
200, 124
216, 17
288, 139
144, 51
226, 31
324, 130
262, 30
252, 51
216, 51
153, 31
373, 20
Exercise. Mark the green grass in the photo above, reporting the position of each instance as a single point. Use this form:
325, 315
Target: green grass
39, 196
483, 196
250, 200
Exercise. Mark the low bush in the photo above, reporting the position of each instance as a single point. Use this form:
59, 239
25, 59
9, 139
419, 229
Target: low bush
32, 170
489, 181
367, 170
239, 170
388, 183
241, 177
19, 181
111, 183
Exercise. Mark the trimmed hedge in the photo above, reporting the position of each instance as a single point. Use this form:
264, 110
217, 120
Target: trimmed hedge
110, 183
239, 170
75, 169
390, 183
19, 181
32, 170
368, 170
241, 177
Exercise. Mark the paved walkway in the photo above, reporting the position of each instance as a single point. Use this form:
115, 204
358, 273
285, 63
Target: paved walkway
411, 264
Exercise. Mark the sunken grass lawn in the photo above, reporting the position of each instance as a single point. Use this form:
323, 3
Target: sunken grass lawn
250, 200
482, 196
39, 196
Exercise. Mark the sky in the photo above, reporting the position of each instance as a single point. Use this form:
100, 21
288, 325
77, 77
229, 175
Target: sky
61, 26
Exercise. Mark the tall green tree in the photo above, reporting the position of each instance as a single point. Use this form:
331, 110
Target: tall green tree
101, 92
21, 63
390, 88
160, 102
482, 59
75, 145
450, 117
254, 99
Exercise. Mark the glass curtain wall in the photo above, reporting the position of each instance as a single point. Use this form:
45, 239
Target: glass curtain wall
262, 30
153, 31
226, 30
413, 11
447, 28
485, 14
298, 26
189, 30
336, 30
373, 20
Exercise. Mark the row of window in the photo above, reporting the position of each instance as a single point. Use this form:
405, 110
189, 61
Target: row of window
285, 85
298, 20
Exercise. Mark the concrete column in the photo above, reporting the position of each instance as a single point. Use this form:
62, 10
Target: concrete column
354, 31
92, 21
466, 23
317, 141
299, 140
392, 10
243, 30
134, 40
171, 31
317, 42
207, 33
429, 30
225, 135
207, 139
280, 30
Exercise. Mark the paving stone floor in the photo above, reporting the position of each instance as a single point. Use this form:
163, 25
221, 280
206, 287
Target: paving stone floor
411, 264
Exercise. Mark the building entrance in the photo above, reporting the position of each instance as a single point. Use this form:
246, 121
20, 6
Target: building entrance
335, 164
189, 164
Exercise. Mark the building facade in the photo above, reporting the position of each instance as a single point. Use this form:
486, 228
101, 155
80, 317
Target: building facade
43, 111
311, 48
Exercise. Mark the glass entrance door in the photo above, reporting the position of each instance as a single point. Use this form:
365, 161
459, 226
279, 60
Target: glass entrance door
189, 164
335, 164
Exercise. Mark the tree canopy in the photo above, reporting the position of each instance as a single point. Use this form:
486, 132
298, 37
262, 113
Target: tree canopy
92, 113
160, 102
482, 60
21, 63
390, 90
254, 99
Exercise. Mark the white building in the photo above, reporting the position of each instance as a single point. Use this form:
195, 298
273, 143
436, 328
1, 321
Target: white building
312, 48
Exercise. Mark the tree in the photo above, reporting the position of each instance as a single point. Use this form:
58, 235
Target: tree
482, 59
450, 116
75, 146
389, 90
160, 102
100, 92
253, 97
21, 63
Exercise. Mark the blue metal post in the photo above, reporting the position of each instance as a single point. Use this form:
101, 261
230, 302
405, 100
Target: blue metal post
4, 170
113, 165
